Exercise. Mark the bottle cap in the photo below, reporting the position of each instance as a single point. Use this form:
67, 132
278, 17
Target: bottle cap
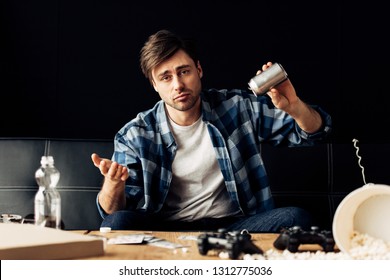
47, 160
105, 229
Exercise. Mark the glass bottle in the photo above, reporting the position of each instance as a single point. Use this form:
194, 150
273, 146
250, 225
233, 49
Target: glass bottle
47, 203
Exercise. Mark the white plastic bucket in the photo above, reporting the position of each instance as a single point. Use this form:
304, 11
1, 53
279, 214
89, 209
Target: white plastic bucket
365, 210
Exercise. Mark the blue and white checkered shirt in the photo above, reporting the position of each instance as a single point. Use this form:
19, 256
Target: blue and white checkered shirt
237, 121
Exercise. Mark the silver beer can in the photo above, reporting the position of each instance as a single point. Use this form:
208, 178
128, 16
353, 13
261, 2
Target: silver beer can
267, 79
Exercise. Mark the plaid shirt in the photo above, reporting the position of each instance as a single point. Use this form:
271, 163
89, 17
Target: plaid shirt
237, 122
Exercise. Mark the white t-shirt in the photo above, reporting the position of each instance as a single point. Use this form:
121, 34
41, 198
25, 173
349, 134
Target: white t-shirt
197, 189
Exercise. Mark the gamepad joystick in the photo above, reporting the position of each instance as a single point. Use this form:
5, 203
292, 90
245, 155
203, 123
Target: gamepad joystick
234, 243
292, 238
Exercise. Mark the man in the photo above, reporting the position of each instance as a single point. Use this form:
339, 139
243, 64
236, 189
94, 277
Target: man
192, 162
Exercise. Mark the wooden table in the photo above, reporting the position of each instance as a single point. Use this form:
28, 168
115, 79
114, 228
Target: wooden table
190, 252
149, 252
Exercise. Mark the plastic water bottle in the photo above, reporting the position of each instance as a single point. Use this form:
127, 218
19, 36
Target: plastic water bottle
47, 204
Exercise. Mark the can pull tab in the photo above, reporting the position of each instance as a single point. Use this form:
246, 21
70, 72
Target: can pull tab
359, 159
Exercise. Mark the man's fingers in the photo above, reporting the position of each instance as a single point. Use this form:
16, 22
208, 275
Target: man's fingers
112, 170
96, 159
125, 173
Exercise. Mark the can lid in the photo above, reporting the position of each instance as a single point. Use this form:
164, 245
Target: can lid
253, 87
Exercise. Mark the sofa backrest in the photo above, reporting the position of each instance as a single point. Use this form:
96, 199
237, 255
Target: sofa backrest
319, 177
316, 178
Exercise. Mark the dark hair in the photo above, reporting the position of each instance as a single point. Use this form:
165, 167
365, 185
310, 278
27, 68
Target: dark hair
160, 47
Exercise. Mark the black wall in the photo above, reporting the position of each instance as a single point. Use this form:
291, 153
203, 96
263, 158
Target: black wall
70, 68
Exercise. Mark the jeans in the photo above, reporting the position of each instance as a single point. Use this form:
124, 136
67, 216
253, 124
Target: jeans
267, 222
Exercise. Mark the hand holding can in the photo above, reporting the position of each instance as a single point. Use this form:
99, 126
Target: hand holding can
267, 79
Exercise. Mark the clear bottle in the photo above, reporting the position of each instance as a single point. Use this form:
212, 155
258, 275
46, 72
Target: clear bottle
47, 203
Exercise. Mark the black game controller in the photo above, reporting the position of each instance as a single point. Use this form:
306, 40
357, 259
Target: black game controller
291, 238
234, 243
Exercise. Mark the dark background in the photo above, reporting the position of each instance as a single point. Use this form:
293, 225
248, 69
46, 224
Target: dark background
70, 68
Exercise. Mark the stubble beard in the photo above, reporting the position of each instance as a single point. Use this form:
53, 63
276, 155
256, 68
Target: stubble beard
184, 105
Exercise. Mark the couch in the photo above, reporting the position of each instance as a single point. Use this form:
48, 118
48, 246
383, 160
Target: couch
316, 178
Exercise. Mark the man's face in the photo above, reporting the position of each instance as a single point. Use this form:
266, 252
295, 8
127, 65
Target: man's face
178, 82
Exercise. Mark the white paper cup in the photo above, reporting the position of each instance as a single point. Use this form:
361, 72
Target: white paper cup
365, 210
